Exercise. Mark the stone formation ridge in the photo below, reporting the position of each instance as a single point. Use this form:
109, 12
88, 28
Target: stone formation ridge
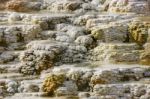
74, 49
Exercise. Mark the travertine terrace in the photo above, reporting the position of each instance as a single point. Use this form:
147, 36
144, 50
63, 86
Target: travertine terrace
74, 49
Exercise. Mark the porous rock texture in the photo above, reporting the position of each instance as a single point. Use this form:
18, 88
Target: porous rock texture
75, 49
20, 5
52, 82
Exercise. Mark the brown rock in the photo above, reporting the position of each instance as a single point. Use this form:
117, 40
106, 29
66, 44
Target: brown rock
3, 4
52, 82
72, 6
139, 32
145, 57
17, 5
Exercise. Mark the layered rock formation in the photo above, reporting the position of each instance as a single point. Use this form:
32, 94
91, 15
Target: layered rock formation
74, 49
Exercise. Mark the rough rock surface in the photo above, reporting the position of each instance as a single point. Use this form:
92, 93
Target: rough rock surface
75, 49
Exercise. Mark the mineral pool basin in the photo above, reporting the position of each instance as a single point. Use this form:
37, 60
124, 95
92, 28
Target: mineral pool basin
34, 97
88, 66
104, 65
47, 13
144, 18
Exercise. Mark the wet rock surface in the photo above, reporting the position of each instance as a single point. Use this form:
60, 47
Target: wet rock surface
74, 49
